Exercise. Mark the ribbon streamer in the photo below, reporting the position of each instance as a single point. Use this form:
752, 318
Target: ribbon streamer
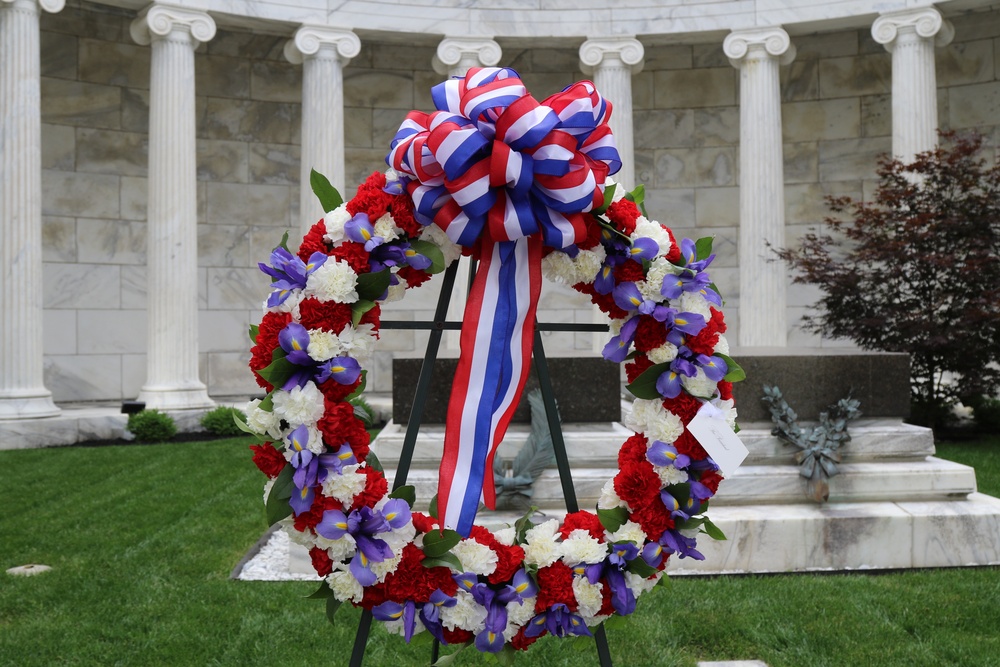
494, 168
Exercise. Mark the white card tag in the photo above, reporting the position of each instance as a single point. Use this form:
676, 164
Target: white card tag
709, 427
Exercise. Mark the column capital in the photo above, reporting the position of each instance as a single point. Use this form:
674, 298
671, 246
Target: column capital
926, 22
626, 49
454, 51
159, 20
51, 6
772, 41
310, 40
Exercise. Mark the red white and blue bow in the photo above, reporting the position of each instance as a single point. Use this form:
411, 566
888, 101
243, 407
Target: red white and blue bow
494, 167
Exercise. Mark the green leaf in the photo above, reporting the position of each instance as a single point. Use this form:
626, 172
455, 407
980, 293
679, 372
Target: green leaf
712, 530
638, 197
268, 403
523, 525
371, 286
444, 560
372, 462
609, 196
277, 508
254, 330
612, 519
431, 252
358, 310
362, 414
664, 581
332, 605
506, 656
640, 567
644, 386
736, 372
279, 370
242, 425
324, 591
328, 196
361, 387
432, 509
438, 544
703, 247
449, 659
407, 493
283, 243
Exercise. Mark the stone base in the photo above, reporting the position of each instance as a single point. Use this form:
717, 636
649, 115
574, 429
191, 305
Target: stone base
31, 405
165, 398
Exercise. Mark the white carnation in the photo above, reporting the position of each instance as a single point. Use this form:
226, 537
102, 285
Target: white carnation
400, 537
506, 536
466, 614
315, 443
650, 287
334, 222
334, 281
587, 263
694, 302
700, 385
385, 567
344, 586
629, 531
386, 228
728, 408
263, 422
588, 596
267, 488
476, 557
358, 343
670, 475
559, 268
449, 249
649, 417
663, 354
619, 190
722, 346
301, 405
541, 548
398, 628
639, 585
518, 615
582, 547
323, 345
338, 549
653, 230
346, 485
289, 305
609, 497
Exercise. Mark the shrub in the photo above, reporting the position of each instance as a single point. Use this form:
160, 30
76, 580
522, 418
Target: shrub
220, 421
918, 271
986, 412
151, 426
364, 411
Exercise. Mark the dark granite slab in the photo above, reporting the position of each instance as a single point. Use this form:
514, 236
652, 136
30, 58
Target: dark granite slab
587, 389
812, 379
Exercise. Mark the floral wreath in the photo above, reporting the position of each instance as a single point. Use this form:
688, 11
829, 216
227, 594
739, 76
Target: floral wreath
497, 590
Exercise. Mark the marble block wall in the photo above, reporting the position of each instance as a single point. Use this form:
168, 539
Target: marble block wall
95, 104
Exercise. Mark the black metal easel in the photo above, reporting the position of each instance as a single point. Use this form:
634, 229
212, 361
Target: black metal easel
437, 327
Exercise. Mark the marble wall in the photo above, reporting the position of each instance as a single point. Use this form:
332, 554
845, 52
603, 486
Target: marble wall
95, 95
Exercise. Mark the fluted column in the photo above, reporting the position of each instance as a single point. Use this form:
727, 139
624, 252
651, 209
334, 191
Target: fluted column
454, 57
172, 233
323, 52
22, 388
612, 62
757, 54
910, 36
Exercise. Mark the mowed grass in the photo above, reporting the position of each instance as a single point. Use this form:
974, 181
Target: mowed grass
142, 540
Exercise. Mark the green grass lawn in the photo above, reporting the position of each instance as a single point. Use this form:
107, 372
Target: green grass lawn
142, 540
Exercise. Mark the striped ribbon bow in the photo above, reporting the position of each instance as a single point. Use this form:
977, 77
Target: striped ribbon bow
494, 167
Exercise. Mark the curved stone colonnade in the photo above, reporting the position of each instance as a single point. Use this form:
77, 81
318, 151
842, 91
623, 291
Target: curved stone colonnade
757, 36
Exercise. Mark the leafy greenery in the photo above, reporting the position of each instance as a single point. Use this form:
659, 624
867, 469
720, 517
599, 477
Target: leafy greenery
142, 540
220, 421
917, 270
151, 426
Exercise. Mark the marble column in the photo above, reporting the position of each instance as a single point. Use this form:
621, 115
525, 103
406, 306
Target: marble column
910, 36
22, 388
172, 232
612, 62
756, 53
322, 51
454, 57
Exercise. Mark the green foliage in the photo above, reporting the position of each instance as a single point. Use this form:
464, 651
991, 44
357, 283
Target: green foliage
986, 413
221, 421
916, 270
151, 426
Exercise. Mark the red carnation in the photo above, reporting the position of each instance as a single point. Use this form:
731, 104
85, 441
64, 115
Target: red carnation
593, 234
371, 198
375, 488
650, 334
333, 391
267, 340
413, 581
326, 315
607, 605
372, 317
268, 459
606, 302
629, 272
585, 520
637, 484
424, 523
684, 406
521, 641
413, 277
637, 367
509, 561
623, 214
653, 518
555, 586
633, 450
313, 241
686, 444
725, 390
354, 254
675, 250
704, 342
711, 479
340, 425
402, 214
321, 561
457, 636
311, 517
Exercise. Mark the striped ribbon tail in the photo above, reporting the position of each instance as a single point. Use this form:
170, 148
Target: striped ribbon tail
496, 344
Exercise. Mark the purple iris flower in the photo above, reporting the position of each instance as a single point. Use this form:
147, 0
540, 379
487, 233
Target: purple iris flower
558, 621
675, 543
364, 525
628, 297
604, 282
288, 273
664, 455
675, 285
680, 510
644, 248
306, 469
715, 368
689, 323
395, 186
359, 229
416, 260
612, 570
653, 554
699, 490
491, 639
430, 614
689, 253
294, 340
385, 256
335, 461
669, 383
343, 370
617, 348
